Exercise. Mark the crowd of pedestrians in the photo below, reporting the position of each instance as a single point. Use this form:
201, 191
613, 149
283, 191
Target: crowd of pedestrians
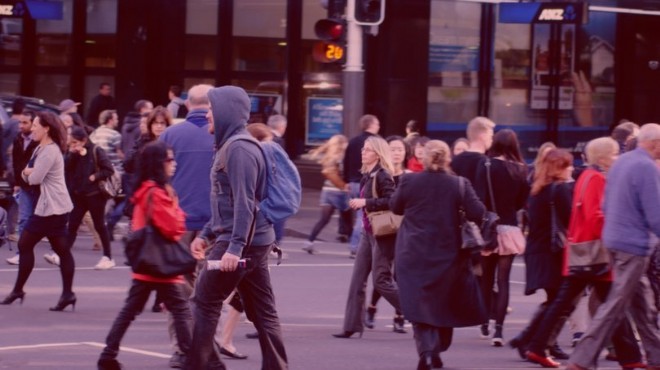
192, 180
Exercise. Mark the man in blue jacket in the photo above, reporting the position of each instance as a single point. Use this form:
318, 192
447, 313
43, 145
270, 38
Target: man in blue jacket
632, 214
236, 230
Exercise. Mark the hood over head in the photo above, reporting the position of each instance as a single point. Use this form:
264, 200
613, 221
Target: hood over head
230, 106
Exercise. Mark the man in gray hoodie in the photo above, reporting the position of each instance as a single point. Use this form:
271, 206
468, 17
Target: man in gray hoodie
237, 230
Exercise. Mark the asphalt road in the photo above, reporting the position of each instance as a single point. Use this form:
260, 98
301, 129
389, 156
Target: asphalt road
310, 292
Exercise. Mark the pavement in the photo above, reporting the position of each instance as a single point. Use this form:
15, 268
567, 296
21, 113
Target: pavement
310, 293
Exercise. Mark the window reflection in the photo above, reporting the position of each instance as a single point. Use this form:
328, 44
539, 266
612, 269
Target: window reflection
259, 30
10, 83
201, 52
54, 38
266, 98
101, 40
11, 34
52, 88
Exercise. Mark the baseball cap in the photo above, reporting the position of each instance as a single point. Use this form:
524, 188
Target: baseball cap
67, 104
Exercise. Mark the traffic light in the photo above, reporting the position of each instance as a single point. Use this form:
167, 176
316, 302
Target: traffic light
369, 12
331, 49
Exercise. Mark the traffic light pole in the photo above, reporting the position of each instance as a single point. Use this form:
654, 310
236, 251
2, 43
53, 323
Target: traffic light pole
353, 84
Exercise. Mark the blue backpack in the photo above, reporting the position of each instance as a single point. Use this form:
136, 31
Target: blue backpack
283, 188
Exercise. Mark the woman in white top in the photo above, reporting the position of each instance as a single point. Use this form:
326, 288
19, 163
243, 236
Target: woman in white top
51, 213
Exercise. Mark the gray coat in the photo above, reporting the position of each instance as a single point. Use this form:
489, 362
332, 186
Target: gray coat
436, 283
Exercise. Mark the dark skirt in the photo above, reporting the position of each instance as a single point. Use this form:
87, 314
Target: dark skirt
55, 225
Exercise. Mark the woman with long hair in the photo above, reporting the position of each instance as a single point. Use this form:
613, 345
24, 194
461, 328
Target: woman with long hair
156, 122
333, 196
501, 183
374, 253
46, 169
400, 151
156, 199
438, 289
586, 224
86, 165
549, 206
540, 154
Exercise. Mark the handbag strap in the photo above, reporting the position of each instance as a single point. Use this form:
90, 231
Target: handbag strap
374, 192
148, 213
490, 185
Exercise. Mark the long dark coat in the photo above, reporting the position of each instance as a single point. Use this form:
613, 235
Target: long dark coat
543, 266
436, 283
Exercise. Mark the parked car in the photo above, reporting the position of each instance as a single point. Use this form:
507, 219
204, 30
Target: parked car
34, 104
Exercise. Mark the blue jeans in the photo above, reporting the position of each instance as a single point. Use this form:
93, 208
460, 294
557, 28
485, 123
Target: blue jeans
357, 227
26, 204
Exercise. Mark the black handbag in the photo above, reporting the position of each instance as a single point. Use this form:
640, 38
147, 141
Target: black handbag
149, 253
489, 232
557, 236
475, 237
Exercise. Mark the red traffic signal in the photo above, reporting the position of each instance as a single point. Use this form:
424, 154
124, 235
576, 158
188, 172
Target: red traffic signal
330, 50
329, 29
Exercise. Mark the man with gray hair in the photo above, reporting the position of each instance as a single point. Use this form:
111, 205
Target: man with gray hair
277, 124
632, 215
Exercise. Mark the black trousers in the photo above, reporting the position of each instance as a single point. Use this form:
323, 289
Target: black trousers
254, 287
175, 301
95, 204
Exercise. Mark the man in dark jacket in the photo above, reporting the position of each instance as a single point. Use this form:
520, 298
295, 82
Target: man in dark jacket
130, 129
352, 175
237, 229
102, 101
22, 149
479, 132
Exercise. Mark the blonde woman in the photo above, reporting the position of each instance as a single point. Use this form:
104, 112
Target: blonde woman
333, 197
374, 253
438, 289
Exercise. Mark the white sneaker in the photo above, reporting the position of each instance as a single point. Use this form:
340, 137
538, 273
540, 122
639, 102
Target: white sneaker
309, 247
52, 258
13, 260
105, 264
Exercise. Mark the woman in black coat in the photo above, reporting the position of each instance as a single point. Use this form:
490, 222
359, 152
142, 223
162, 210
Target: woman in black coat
374, 253
438, 290
544, 253
85, 166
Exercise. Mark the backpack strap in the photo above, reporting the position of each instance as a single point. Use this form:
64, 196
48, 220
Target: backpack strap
490, 185
222, 153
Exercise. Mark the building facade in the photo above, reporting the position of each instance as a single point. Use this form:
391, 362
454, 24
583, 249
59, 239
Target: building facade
439, 62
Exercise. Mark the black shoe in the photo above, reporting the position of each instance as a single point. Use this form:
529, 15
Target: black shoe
398, 324
347, 334
254, 335
369, 317
156, 308
483, 331
497, 340
425, 362
12, 297
109, 364
556, 352
177, 361
64, 302
342, 238
235, 354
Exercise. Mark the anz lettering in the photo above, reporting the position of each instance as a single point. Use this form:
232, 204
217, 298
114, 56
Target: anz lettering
552, 15
6, 10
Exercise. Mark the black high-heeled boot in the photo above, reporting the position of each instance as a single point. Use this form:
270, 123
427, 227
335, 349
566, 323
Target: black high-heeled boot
64, 302
12, 297
347, 334
370, 317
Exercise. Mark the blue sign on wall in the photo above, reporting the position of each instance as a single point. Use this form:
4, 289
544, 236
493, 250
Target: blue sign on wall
324, 119
549, 12
35, 9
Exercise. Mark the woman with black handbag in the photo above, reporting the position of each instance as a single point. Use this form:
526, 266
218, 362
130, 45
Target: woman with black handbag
375, 250
155, 203
586, 227
437, 286
549, 208
501, 183
86, 166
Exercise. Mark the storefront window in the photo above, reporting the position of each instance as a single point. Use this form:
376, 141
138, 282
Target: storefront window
266, 98
54, 38
52, 88
201, 34
453, 64
11, 37
9, 83
100, 43
259, 35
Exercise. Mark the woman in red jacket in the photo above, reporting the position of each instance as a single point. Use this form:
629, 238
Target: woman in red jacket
155, 193
586, 224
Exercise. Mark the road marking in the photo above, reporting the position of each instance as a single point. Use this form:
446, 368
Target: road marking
92, 344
